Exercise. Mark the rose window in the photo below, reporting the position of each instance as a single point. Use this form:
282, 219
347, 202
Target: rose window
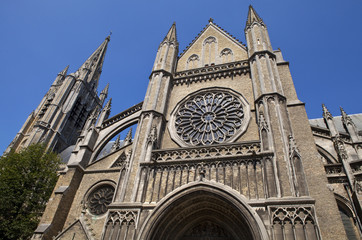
99, 199
209, 117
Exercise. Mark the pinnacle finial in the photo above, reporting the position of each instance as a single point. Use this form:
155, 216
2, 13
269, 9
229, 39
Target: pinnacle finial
345, 118
343, 113
211, 20
105, 90
65, 70
116, 145
128, 138
171, 34
253, 17
108, 104
326, 113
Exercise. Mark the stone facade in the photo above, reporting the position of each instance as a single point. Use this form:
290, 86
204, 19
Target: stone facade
223, 149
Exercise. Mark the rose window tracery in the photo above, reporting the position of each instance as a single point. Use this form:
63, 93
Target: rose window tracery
99, 199
210, 117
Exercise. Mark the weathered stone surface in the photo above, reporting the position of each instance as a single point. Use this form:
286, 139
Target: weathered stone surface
266, 174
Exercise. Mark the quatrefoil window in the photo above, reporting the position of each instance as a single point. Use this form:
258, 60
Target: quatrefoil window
208, 117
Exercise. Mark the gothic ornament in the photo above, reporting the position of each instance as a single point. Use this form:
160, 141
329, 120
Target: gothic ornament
340, 148
116, 145
153, 135
128, 138
193, 58
99, 199
209, 116
210, 40
326, 113
262, 122
226, 51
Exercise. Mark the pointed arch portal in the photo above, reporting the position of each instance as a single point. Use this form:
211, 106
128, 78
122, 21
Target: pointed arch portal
204, 212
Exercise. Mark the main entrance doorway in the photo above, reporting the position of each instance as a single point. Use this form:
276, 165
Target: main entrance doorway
203, 214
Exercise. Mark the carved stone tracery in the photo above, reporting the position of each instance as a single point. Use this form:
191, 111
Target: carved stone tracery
210, 40
294, 222
226, 51
210, 117
99, 199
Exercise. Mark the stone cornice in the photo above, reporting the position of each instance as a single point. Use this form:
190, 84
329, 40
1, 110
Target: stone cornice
270, 94
219, 152
211, 72
155, 113
262, 53
164, 72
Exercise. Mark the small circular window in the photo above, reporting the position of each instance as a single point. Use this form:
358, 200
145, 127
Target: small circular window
99, 199
210, 116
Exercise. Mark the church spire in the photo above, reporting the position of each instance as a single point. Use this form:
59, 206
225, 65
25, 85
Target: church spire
253, 17
167, 52
171, 35
91, 69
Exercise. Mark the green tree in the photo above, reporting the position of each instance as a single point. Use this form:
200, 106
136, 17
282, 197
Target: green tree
27, 180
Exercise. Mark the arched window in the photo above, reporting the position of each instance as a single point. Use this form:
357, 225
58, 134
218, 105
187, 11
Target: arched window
347, 218
209, 50
193, 62
226, 55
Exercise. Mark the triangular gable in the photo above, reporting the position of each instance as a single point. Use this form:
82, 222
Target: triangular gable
74, 231
213, 45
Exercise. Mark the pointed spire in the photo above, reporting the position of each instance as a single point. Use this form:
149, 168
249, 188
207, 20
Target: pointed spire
64, 72
91, 69
108, 104
326, 113
349, 125
105, 90
105, 113
116, 145
171, 35
61, 76
128, 138
345, 118
103, 95
253, 17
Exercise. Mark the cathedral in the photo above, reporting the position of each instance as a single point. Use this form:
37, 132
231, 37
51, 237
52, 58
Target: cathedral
221, 148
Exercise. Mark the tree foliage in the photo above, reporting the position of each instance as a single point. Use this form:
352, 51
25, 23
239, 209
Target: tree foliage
27, 179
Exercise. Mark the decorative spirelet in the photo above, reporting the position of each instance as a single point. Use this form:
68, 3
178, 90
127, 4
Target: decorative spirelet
99, 199
209, 118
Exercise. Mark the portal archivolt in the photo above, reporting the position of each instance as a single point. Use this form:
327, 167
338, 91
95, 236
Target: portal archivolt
203, 213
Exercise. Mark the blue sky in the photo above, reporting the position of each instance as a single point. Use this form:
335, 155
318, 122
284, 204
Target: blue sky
320, 39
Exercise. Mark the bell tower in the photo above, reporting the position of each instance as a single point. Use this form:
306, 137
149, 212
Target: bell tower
63, 111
